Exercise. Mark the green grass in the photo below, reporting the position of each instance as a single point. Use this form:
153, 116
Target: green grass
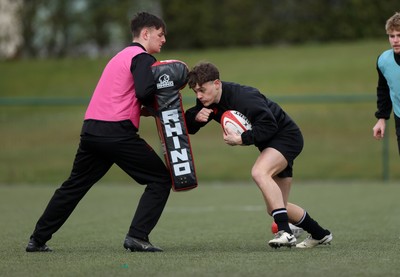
214, 230
338, 68
38, 143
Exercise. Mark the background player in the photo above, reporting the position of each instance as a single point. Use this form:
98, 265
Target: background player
388, 90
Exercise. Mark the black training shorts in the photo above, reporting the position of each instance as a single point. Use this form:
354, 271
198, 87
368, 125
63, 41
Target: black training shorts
290, 144
397, 122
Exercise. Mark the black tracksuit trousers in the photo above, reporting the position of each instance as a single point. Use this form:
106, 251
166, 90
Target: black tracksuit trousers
94, 158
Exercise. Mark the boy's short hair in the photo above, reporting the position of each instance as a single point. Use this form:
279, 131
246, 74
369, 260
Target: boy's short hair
202, 73
393, 23
143, 20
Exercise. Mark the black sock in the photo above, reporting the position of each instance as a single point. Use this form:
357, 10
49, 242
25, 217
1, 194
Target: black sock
312, 227
281, 219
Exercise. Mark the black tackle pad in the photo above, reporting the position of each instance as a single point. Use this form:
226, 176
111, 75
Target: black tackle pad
170, 77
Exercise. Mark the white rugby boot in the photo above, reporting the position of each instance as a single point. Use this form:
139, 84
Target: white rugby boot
297, 231
282, 238
309, 242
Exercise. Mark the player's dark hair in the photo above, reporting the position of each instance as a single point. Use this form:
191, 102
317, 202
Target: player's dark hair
202, 73
143, 20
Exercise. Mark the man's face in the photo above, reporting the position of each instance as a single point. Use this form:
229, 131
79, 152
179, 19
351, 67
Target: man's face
208, 93
394, 39
156, 39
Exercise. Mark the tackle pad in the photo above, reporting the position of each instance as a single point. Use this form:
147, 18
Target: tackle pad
171, 77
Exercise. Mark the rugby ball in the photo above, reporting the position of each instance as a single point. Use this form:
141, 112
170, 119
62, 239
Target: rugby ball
235, 121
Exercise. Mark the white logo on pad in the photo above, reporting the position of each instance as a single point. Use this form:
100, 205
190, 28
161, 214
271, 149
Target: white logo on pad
179, 154
164, 82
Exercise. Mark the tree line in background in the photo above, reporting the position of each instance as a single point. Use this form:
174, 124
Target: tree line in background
210, 23
48, 28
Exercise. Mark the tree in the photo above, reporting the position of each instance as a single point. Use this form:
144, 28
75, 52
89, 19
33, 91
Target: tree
78, 27
10, 28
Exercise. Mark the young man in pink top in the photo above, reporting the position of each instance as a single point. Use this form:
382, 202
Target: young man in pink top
110, 136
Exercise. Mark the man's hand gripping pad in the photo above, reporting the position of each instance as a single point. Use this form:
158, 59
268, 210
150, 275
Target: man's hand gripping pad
170, 77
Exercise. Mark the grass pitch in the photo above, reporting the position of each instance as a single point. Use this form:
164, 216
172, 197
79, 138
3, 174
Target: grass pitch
213, 230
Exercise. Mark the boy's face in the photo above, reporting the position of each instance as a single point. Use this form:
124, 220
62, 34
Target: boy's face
208, 93
394, 39
156, 39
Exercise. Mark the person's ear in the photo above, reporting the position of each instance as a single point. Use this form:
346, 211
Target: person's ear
217, 83
145, 33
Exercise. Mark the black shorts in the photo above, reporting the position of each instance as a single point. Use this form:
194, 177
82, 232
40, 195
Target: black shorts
397, 122
289, 144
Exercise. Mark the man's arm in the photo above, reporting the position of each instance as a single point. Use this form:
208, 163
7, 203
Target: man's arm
145, 85
193, 123
384, 103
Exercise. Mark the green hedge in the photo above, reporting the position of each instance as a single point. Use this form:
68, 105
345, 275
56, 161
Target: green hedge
212, 23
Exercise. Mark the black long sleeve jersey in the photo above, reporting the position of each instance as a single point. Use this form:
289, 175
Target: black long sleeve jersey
267, 117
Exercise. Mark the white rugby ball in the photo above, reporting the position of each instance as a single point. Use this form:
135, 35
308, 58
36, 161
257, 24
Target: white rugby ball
235, 121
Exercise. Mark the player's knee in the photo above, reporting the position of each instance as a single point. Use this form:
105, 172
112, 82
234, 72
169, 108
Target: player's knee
259, 175
159, 188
